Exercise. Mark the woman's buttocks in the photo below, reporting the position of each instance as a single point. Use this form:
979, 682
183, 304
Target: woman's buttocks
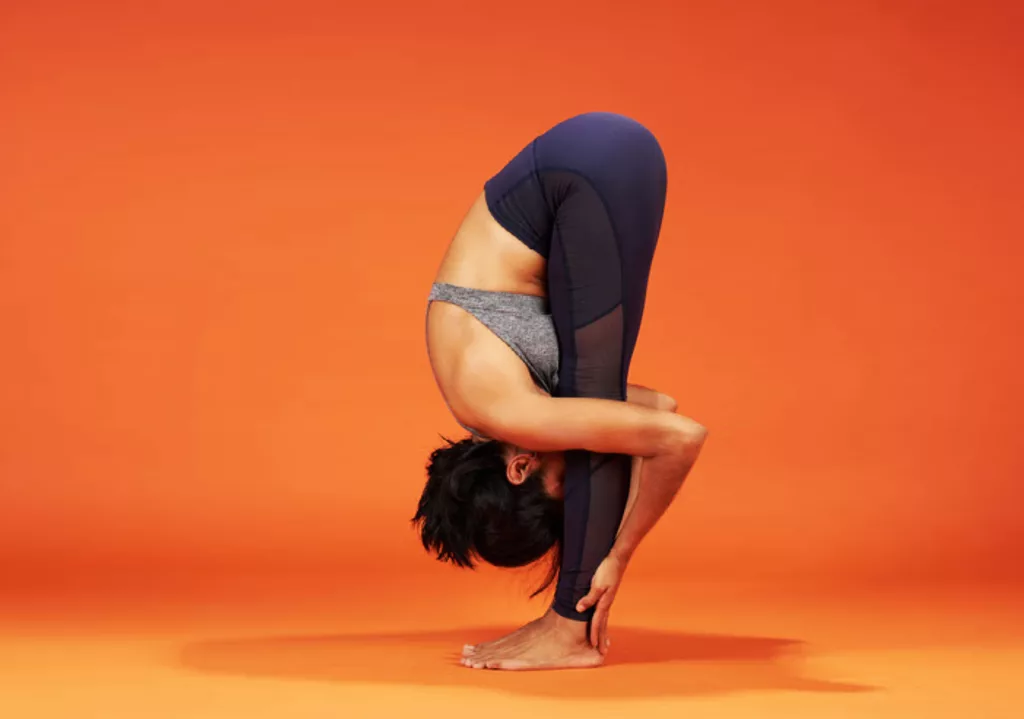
485, 256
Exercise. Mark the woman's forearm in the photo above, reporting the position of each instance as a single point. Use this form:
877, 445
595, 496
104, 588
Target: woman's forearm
652, 398
654, 482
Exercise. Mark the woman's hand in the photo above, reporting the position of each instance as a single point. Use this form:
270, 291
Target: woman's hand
603, 588
652, 398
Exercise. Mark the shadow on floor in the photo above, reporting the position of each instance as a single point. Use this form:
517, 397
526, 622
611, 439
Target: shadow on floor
644, 663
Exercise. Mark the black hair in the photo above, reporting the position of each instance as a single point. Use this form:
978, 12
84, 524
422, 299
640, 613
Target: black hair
469, 510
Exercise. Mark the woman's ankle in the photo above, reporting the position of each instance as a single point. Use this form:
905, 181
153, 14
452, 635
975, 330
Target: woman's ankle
571, 628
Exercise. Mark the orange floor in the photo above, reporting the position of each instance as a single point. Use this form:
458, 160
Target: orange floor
299, 648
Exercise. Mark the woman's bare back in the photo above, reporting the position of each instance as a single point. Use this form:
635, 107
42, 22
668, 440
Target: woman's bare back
470, 363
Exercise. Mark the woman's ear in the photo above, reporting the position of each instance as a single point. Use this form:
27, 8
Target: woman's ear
519, 466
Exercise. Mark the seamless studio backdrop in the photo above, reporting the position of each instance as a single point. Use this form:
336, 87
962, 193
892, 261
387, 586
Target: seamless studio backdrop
219, 224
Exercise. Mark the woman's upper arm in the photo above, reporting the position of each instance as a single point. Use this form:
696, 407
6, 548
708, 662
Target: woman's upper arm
549, 424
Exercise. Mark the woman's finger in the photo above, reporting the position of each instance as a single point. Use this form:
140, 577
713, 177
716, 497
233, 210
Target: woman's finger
602, 632
599, 626
595, 624
590, 600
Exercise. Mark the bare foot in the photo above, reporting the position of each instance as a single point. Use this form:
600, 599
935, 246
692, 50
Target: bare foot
552, 643
529, 628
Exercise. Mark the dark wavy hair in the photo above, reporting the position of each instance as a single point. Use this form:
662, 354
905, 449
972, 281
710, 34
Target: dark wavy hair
469, 510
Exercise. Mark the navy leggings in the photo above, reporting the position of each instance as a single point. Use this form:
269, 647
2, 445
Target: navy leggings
589, 195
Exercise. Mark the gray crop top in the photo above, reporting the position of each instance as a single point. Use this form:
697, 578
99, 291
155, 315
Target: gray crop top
521, 321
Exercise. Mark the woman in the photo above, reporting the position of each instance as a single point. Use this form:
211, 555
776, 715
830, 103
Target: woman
531, 325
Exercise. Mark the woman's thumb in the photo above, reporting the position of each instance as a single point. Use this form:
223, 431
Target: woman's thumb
588, 601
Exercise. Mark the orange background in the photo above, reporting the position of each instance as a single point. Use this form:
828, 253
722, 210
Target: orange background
218, 227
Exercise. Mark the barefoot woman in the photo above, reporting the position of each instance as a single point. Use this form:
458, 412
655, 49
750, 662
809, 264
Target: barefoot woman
531, 325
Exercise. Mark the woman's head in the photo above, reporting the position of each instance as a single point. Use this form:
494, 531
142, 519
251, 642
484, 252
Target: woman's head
491, 501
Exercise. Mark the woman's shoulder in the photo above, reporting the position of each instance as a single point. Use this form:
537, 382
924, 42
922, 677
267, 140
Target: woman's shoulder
472, 366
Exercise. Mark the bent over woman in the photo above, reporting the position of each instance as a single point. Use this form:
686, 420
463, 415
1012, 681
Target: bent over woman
531, 325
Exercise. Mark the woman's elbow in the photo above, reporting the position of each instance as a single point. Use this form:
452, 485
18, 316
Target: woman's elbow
689, 435
677, 436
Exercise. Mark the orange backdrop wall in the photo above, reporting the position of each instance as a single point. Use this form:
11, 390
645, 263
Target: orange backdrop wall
219, 224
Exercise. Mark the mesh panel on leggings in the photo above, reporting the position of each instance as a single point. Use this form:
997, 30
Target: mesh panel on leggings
596, 485
598, 371
599, 374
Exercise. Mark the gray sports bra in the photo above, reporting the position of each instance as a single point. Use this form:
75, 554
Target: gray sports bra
521, 321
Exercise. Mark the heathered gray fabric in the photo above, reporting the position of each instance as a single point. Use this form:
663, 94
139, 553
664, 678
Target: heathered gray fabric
521, 321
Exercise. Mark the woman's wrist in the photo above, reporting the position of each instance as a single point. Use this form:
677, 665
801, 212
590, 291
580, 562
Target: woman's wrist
621, 552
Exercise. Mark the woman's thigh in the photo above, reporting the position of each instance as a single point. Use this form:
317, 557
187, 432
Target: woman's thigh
588, 195
604, 176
